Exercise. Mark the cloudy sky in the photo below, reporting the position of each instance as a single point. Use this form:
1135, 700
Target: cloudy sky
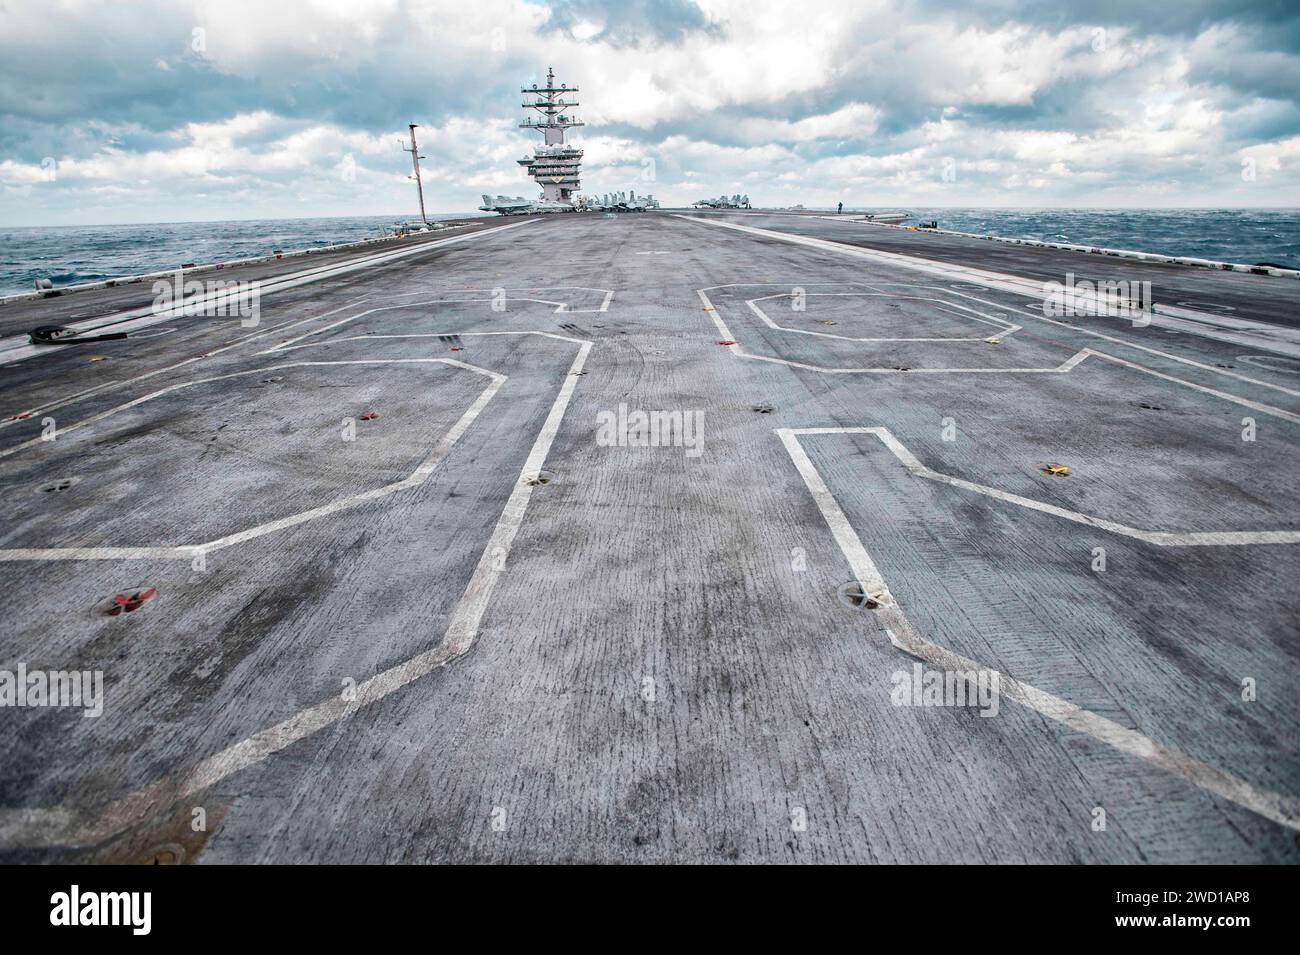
139, 111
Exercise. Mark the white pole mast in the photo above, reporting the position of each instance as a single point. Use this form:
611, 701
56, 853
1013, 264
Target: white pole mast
414, 150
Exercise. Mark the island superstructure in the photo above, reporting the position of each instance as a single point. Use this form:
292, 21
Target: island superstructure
554, 165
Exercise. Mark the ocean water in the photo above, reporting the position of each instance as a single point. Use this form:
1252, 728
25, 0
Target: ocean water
1244, 236
68, 255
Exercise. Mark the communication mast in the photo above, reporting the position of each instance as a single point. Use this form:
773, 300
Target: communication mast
414, 150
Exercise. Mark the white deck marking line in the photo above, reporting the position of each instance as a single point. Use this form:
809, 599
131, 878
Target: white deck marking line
1250, 334
291, 342
1066, 366
951, 308
565, 307
62, 826
512, 288
190, 551
604, 305
1226, 396
1226, 372
371, 338
1262, 361
1213, 369
1159, 538
466, 619
884, 288
1281, 809
108, 385
1063, 368
16, 349
562, 307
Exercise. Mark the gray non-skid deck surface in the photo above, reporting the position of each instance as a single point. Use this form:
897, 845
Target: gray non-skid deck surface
663, 670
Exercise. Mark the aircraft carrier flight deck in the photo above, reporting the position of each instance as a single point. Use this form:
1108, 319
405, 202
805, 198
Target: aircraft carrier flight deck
609, 538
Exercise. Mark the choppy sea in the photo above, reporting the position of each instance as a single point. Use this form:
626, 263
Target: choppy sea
68, 255
1244, 236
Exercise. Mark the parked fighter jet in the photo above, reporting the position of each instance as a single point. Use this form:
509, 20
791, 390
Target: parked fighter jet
725, 202
619, 202
518, 206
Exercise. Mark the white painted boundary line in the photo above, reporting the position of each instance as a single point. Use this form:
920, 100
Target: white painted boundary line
720, 324
1159, 538
1281, 809
18, 348
952, 308
1226, 372
604, 305
1237, 331
65, 827
1213, 369
29, 413
561, 307
1065, 367
190, 551
371, 338
1214, 392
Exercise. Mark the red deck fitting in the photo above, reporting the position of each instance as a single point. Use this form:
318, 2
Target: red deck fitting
125, 603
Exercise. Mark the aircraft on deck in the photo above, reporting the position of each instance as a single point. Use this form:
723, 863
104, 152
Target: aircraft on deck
519, 206
619, 202
725, 202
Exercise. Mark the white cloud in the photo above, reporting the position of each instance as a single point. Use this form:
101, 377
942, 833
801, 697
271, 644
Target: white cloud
811, 102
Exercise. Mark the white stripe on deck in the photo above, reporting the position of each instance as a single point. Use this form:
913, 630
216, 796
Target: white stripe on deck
56, 403
1212, 369
190, 551
951, 308
1066, 366
1281, 809
1158, 538
560, 307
